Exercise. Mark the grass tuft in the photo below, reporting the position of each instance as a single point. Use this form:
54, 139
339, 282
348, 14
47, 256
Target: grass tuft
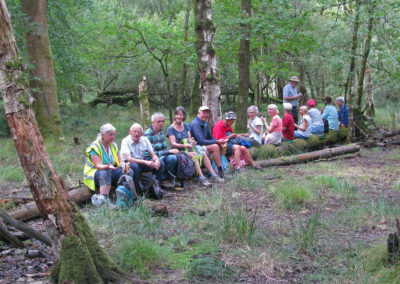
304, 233
292, 194
208, 269
142, 256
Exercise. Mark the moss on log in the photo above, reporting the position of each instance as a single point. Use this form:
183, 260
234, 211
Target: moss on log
298, 145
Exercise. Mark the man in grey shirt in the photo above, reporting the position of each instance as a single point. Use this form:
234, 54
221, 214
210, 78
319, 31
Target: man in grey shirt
134, 149
292, 96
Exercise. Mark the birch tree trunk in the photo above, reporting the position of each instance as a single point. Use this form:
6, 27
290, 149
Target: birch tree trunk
43, 80
80, 258
367, 48
144, 103
369, 98
244, 73
204, 44
182, 91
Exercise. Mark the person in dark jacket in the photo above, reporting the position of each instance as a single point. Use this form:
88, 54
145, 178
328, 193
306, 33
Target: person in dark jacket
200, 131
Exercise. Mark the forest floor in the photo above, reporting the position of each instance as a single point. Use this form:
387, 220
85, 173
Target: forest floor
324, 221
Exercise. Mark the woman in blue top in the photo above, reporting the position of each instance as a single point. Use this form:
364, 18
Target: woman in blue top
104, 162
179, 132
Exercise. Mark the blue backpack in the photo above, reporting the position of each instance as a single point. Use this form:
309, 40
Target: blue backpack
124, 197
125, 191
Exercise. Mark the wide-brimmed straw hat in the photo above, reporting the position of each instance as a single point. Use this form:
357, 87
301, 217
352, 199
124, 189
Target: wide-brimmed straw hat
294, 79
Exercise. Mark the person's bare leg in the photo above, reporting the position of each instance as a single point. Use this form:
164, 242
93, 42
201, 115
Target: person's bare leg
105, 189
236, 153
214, 150
198, 169
207, 164
247, 156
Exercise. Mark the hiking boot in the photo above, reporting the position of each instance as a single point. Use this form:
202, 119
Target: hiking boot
221, 173
216, 179
204, 182
167, 184
182, 185
239, 170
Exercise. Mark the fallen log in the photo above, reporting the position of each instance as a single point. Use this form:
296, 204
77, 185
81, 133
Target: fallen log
23, 228
298, 145
311, 156
30, 210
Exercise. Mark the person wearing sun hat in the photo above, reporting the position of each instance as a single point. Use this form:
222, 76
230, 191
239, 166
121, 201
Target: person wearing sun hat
317, 124
223, 130
292, 96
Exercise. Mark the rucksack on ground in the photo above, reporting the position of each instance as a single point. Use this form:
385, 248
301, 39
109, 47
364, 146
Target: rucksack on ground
184, 166
150, 186
125, 191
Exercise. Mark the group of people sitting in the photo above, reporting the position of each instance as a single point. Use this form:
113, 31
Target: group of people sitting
147, 151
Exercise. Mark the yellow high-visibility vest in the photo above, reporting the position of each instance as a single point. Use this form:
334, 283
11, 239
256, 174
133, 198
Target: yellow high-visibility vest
89, 170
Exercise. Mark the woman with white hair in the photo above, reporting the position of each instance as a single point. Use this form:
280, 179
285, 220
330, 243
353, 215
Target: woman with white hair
103, 166
255, 126
273, 135
304, 129
287, 122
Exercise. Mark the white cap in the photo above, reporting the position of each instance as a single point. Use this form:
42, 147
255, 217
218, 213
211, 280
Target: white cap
203, 108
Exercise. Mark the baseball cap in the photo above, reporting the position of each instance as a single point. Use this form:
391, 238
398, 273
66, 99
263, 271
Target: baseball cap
294, 79
203, 108
311, 103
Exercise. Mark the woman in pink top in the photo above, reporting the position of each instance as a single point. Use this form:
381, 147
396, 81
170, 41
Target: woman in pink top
273, 135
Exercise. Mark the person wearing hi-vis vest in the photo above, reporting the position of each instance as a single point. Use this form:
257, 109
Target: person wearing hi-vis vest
103, 166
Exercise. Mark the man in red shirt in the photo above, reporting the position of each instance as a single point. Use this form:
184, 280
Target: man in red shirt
223, 129
287, 122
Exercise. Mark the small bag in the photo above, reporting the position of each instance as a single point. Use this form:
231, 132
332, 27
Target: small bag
196, 149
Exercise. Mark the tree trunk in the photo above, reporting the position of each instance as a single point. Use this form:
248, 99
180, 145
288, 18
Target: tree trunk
311, 156
42, 78
30, 211
298, 146
204, 44
369, 99
367, 48
182, 91
349, 100
80, 258
144, 104
244, 65
280, 84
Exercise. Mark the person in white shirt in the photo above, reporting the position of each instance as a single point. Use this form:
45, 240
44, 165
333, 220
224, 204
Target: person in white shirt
255, 126
137, 149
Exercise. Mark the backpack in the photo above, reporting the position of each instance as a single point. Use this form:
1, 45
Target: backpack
125, 191
150, 186
184, 167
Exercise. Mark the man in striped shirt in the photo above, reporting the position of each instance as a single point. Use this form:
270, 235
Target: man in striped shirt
157, 139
